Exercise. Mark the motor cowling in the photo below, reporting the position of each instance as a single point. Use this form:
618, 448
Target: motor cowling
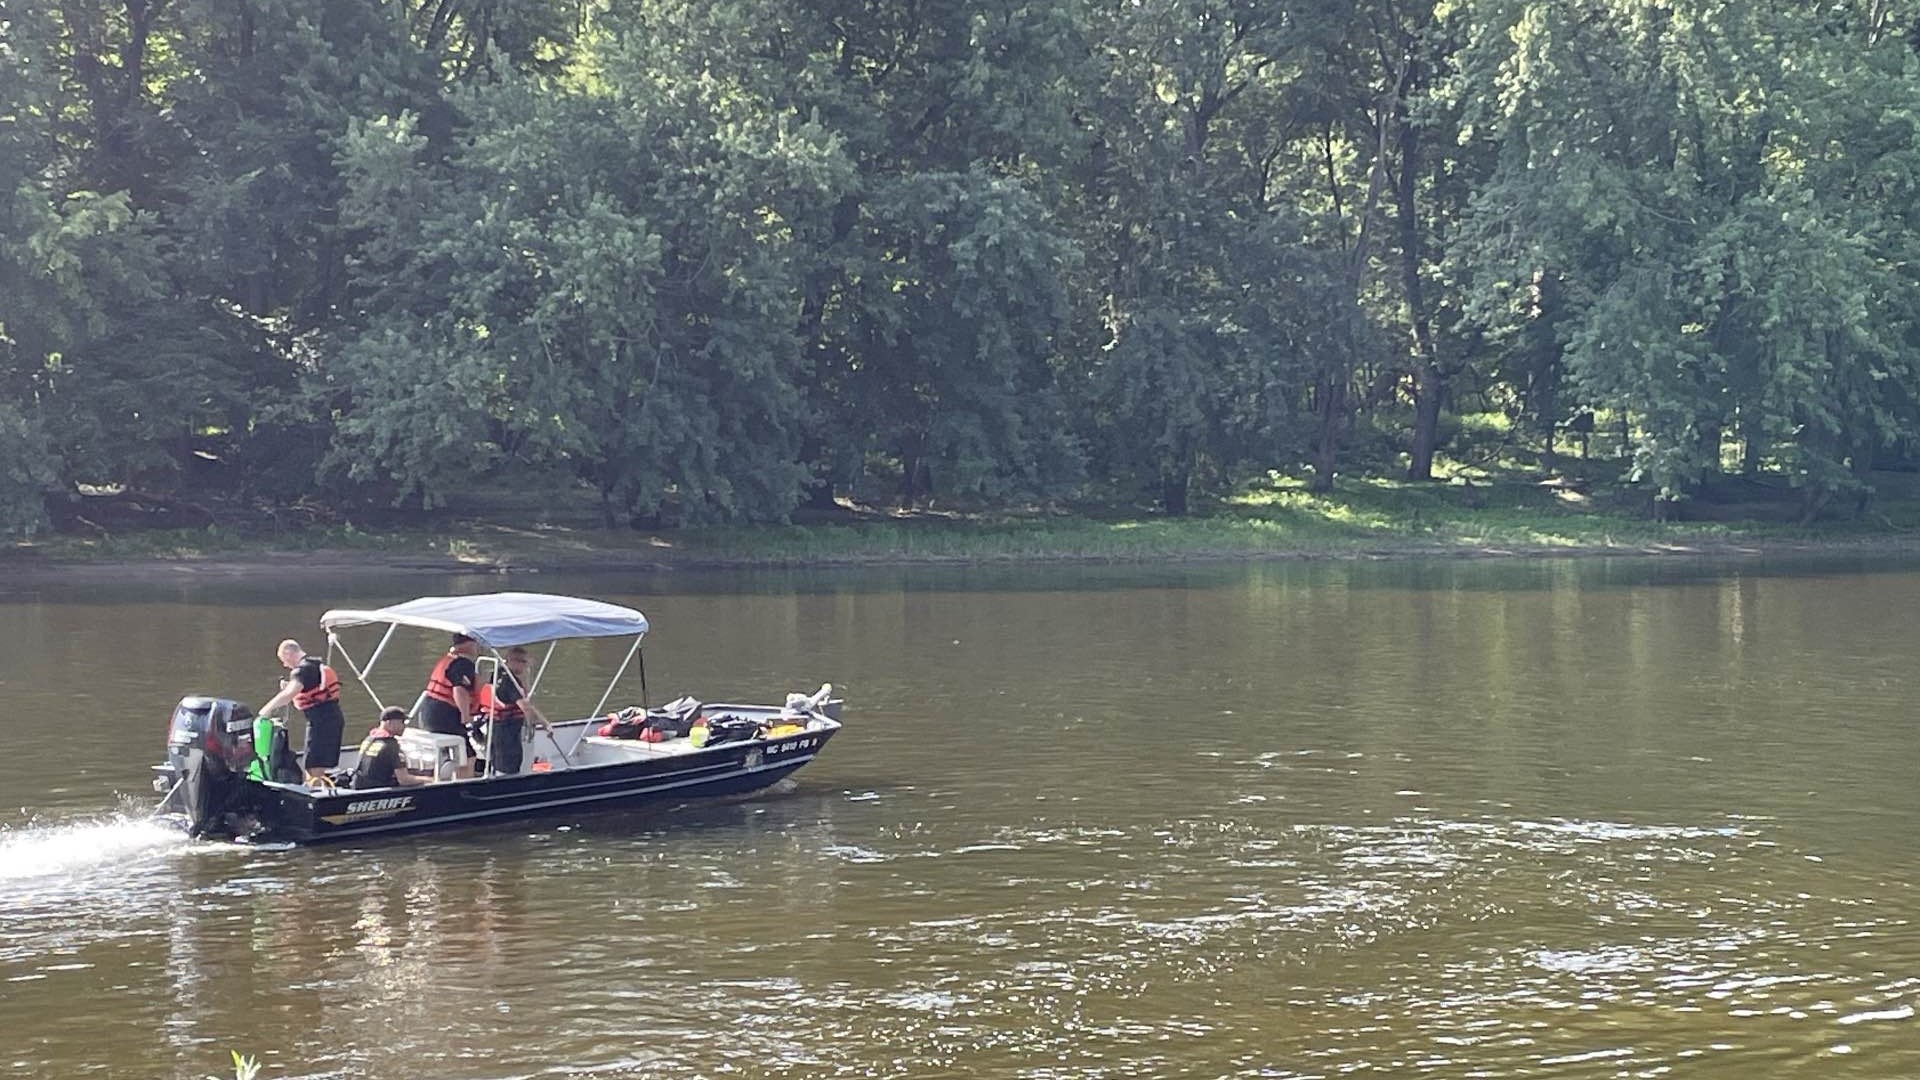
222, 728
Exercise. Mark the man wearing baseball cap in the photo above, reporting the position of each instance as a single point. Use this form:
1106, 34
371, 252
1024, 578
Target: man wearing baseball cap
449, 705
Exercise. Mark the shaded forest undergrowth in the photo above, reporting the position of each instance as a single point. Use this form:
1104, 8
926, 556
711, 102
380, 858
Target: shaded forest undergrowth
1492, 510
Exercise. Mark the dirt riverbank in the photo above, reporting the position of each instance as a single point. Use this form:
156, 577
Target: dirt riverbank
582, 555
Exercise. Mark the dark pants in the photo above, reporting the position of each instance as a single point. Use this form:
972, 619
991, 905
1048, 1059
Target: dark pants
505, 745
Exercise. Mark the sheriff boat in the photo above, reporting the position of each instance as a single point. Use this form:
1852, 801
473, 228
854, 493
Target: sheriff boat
207, 789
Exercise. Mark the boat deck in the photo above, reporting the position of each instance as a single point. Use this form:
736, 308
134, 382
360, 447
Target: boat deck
566, 747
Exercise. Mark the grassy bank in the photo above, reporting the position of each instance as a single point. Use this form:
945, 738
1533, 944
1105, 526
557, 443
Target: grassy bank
1279, 519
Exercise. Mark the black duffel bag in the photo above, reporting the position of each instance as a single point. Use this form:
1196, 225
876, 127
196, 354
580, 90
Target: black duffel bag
726, 729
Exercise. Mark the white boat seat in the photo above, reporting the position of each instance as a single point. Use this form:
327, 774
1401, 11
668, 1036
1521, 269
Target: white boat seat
437, 755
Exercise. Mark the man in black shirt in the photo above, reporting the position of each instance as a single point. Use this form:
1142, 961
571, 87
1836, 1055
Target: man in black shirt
381, 764
511, 708
314, 689
448, 708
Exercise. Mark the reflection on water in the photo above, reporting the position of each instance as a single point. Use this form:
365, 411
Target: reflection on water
1579, 819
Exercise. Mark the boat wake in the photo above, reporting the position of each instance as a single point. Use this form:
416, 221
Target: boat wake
40, 850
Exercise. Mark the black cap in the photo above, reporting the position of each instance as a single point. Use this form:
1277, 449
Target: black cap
461, 639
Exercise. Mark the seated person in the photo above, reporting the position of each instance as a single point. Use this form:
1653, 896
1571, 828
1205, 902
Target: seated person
381, 763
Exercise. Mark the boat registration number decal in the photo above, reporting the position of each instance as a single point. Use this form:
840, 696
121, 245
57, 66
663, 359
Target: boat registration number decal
787, 748
371, 810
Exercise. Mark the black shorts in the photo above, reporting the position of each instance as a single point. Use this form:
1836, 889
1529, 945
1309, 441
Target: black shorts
441, 719
323, 740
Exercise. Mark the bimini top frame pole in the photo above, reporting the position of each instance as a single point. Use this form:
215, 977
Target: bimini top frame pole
588, 726
497, 621
360, 673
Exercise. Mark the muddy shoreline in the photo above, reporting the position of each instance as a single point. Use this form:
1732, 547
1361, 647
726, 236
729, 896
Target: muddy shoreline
23, 566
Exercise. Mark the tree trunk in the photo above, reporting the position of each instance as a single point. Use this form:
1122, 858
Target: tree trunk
1332, 409
916, 480
1542, 402
1753, 445
1813, 502
1428, 385
1429, 381
1862, 466
1173, 492
909, 479
1710, 438
817, 493
1331, 393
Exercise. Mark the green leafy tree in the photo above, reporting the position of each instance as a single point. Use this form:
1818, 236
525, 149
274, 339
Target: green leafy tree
598, 278
90, 334
1705, 186
1218, 298
171, 242
935, 310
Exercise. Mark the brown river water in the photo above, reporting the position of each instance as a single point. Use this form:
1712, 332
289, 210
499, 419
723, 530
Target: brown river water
1568, 819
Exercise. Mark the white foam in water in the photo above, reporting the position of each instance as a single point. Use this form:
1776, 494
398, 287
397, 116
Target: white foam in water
36, 851
1903, 1012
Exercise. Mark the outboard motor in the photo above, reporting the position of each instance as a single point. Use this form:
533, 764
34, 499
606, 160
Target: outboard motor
208, 744
222, 728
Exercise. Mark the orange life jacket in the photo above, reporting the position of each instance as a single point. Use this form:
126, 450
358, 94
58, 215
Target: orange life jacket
438, 688
328, 690
484, 702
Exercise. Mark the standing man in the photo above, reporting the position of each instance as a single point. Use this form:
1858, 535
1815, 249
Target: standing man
449, 705
511, 707
315, 690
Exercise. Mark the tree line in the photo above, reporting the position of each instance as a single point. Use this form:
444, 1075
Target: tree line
721, 259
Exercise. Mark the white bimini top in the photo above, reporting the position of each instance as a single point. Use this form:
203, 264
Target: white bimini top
503, 619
